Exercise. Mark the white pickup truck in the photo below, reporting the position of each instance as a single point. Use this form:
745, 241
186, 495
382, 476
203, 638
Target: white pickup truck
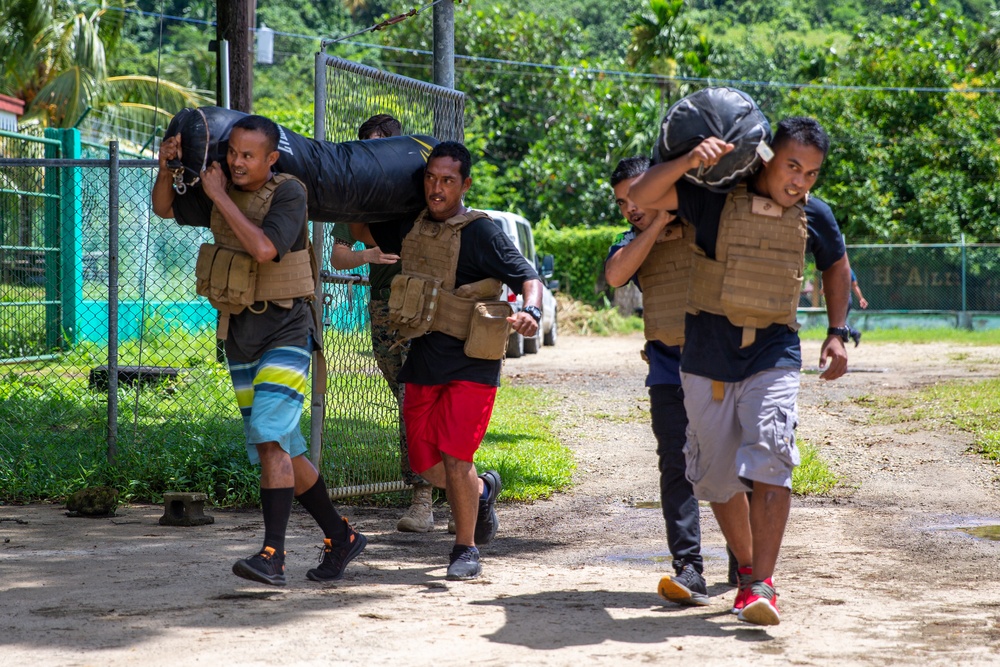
519, 231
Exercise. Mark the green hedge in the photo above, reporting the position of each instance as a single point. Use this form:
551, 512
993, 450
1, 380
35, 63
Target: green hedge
579, 254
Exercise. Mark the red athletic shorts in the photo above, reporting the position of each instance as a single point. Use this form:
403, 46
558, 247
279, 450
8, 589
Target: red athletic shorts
445, 419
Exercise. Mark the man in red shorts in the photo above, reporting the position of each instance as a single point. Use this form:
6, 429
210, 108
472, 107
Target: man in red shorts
454, 260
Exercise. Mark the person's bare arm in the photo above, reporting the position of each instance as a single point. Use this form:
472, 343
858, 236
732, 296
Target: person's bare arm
344, 258
522, 322
837, 290
251, 237
163, 188
621, 266
862, 301
656, 187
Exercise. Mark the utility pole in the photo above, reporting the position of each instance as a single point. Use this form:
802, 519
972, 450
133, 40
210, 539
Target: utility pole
235, 20
444, 44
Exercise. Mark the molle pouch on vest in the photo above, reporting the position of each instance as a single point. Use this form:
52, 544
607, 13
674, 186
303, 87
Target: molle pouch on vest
203, 268
488, 330
242, 280
408, 299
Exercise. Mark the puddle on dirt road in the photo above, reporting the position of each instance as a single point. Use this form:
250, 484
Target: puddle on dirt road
663, 557
984, 532
979, 527
647, 504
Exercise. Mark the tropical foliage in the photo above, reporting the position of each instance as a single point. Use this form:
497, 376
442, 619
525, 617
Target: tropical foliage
54, 56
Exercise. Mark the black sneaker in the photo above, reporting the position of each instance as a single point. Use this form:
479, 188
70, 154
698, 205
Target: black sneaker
855, 336
267, 567
686, 587
486, 520
464, 563
335, 558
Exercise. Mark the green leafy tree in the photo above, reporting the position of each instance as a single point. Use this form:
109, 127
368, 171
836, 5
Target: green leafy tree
666, 43
54, 58
905, 164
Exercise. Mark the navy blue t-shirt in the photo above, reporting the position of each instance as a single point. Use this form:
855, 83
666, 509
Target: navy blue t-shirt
437, 358
711, 342
664, 360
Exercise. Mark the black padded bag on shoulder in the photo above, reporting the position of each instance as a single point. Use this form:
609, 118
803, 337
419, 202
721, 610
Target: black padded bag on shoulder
726, 113
378, 180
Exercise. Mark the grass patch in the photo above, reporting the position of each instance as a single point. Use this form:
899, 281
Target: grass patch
973, 408
187, 435
812, 477
916, 336
522, 446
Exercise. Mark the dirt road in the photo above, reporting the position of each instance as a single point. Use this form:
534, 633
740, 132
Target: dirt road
874, 575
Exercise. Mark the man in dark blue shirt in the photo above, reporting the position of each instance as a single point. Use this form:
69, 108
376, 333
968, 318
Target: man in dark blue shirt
634, 250
741, 359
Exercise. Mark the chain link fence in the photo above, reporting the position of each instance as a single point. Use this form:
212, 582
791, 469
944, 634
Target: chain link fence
107, 353
361, 427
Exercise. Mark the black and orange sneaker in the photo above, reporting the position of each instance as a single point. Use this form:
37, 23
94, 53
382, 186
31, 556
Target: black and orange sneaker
335, 557
686, 586
267, 567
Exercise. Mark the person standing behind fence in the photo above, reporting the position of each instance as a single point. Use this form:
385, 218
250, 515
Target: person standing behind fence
742, 358
259, 224
445, 300
655, 254
389, 353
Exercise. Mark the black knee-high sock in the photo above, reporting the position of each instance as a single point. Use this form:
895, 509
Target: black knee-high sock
317, 501
277, 507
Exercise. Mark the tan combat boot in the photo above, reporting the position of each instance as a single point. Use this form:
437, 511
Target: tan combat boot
418, 517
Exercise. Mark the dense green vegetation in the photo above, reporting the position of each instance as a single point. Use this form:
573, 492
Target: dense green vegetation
559, 90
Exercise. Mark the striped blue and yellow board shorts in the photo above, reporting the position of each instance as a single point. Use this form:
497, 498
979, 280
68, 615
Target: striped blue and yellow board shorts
271, 392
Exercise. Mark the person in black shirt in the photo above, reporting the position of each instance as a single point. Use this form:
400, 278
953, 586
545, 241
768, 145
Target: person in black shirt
449, 395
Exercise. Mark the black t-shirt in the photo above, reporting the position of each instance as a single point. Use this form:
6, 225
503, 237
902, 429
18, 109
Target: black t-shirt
485, 252
711, 342
251, 334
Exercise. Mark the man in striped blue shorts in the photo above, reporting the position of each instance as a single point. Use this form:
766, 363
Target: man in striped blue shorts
259, 225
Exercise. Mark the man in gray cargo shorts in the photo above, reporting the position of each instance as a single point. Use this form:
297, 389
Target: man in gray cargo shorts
741, 360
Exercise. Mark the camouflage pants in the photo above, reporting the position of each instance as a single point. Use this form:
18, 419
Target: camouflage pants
390, 359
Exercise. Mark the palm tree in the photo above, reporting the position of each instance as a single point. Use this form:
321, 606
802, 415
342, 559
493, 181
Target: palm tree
54, 57
667, 44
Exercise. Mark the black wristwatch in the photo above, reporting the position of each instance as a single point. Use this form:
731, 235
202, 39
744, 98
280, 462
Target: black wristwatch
843, 333
534, 312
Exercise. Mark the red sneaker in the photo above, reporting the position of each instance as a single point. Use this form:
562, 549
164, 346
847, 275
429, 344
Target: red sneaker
745, 575
761, 605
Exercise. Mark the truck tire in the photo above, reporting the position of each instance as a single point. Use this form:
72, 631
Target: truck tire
534, 344
552, 334
515, 345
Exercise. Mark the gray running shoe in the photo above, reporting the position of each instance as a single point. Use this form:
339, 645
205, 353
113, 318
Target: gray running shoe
464, 563
486, 521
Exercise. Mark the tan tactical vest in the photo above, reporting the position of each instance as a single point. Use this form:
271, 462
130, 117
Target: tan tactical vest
423, 297
232, 280
756, 276
663, 277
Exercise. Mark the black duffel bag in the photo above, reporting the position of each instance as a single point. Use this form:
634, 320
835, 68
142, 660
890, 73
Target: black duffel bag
377, 180
726, 113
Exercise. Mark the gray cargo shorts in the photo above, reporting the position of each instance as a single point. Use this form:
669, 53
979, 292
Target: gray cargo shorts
747, 436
